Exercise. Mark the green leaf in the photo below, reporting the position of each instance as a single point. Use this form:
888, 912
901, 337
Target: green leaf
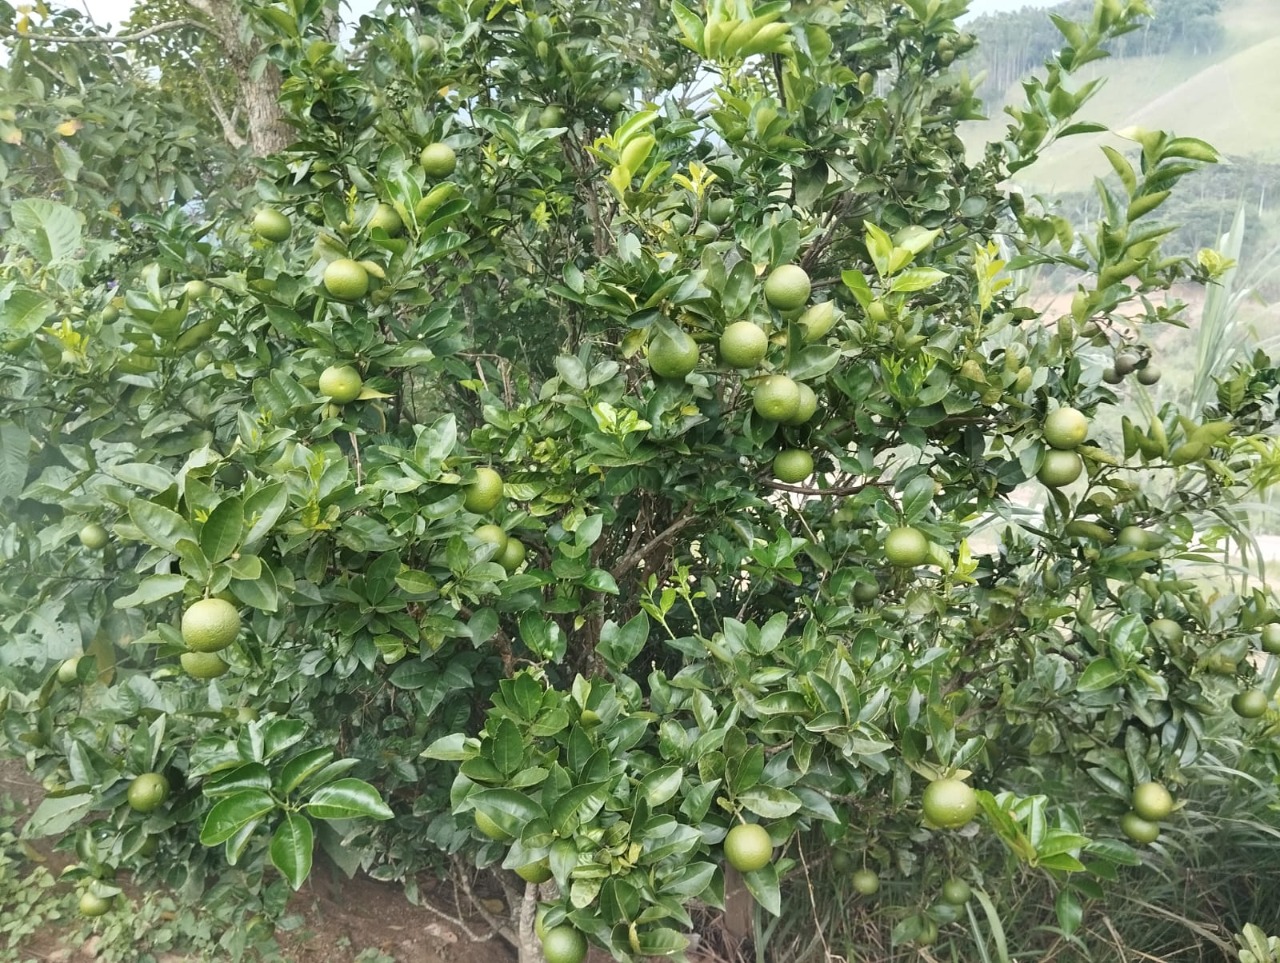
23, 312
291, 848
348, 799
770, 802
152, 589
661, 784
159, 525
1100, 674
15, 454
297, 769
917, 279
235, 812
140, 475
221, 531
763, 885
50, 232
56, 814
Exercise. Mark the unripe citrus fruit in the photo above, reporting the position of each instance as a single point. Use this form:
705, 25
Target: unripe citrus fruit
743, 345
490, 828
1148, 375
1060, 468
864, 593
818, 320
956, 892
1066, 428
1152, 801
1271, 638
512, 555
271, 224
484, 493
949, 803
564, 944
551, 116
346, 279
438, 160
1126, 362
385, 217
1138, 829
1249, 704
776, 398
203, 665
1131, 536
748, 847
1167, 631
673, 357
538, 872
806, 408
792, 465
1111, 376
196, 289
906, 547
928, 933
148, 792
92, 905
495, 536
719, 211
613, 101
93, 537
787, 288
210, 625
67, 671
340, 383
866, 882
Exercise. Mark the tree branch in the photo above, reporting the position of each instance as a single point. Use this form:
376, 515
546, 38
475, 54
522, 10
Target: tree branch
113, 38
229, 132
631, 558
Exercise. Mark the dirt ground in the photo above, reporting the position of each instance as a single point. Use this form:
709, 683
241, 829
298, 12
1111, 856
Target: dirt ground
341, 918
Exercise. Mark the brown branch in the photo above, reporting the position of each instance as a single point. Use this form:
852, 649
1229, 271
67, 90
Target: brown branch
229, 132
833, 490
114, 38
630, 559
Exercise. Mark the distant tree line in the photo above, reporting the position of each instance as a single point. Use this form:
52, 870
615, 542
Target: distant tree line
1011, 45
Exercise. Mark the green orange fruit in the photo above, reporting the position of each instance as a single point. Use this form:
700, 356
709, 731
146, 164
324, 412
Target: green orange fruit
1152, 801
776, 398
210, 625
1250, 704
792, 466
748, 847
438, 160
743, 345
564, 944
485, 491
346, 280
866, 882
1066, 428
1060, 468
672, 357
906, 547
93, 537
271, 224
203, 665
1138, 829
341, 383
949, 803
148, 792
538, 872
787, 287
92, 905
386, 218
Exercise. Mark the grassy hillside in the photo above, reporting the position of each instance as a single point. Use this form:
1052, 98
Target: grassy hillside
1226, 98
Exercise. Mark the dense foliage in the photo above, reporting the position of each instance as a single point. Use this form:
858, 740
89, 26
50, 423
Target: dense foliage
644, 636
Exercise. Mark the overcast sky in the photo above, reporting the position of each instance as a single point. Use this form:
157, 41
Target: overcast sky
116, 11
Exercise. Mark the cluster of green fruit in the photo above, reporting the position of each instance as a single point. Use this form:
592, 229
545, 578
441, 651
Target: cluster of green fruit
208, 626
346, 279
483, 495
1126, 363
146, 793
743, 346
1151, 804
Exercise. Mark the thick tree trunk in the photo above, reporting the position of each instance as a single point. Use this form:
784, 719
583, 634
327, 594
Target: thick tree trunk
259, 96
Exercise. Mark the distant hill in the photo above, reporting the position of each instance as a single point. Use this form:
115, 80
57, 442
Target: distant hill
1226, 96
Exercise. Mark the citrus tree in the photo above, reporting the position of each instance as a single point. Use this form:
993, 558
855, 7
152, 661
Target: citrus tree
608, 449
